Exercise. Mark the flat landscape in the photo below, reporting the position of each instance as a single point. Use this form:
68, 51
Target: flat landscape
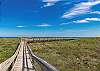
66, 55
70, 55
7, 47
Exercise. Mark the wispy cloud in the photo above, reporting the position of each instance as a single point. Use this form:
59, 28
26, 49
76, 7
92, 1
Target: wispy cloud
87, 20
65, 23
80, 8
43, 25
80, 21
95, 12
20, 26
50, 2
93, 19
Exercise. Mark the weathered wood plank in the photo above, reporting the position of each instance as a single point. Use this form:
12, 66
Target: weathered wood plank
22, 60
18, 65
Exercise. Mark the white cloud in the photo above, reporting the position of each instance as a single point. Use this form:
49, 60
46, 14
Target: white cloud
50, 2
80, 21
95, 12
87, 20
80, 8
43, 25
93, 19
65, 23
19, 26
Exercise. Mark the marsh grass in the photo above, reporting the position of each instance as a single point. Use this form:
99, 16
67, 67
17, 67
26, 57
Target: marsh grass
71, 55
7, 47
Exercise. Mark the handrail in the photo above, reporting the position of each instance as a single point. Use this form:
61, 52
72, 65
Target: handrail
4, 66
48, 66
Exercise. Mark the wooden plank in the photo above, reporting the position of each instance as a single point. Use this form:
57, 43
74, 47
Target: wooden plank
23, 62
18, 65
30, 66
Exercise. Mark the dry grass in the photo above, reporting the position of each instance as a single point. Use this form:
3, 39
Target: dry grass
72, 55
7, 47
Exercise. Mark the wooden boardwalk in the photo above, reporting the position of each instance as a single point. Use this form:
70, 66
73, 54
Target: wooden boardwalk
24, 60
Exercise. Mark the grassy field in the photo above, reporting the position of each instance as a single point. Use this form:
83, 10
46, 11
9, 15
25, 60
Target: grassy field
71, 55
7, 47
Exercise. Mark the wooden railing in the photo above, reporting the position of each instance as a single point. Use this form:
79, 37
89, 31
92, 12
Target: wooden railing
45, 65
25, 53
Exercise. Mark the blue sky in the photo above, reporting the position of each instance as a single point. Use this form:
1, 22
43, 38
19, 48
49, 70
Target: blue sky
70, 18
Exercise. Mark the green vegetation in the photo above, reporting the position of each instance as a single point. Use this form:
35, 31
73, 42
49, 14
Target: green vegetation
7, 47
70, 55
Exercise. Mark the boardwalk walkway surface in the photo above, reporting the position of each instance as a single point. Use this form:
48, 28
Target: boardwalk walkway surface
24, 60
